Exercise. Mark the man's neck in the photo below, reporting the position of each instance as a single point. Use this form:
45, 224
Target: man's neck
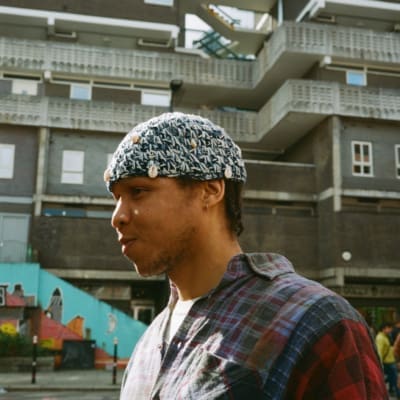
203, 272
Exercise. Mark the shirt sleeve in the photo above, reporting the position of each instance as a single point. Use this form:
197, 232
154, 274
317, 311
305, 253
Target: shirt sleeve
381, 347
341, 365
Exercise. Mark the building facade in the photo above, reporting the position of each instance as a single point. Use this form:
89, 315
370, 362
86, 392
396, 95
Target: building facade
310, 91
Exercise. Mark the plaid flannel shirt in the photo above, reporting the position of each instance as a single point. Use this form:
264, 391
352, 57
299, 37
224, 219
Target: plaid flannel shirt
263, 333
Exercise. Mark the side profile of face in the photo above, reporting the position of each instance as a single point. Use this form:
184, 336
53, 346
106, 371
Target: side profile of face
156, 222
387, 329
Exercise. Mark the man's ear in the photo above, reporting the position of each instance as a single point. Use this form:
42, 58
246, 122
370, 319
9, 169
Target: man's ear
213, 192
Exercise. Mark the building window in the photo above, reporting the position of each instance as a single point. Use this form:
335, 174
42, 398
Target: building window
143, 310
3, 295
22, 86
156, 98
362, 158
168, 3
109, 158
72, 166
356, 78
7, 154
144, 314
397, 156
80, 92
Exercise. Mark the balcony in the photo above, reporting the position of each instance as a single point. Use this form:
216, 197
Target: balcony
296, 108
291, 51
300, 105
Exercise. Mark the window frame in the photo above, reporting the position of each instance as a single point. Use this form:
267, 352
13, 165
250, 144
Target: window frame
362, 163
74, 86
160, 2
3, 296
9, 172
26, 87
397, 160
150, 92
362, 73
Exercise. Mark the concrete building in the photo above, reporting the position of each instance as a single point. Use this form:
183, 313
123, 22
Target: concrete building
310, 90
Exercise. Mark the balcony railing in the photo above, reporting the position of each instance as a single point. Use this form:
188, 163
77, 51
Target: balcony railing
274, 124
313, 40
315, 100
105, 116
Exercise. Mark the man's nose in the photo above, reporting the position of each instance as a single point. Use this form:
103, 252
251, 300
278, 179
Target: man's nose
120, 215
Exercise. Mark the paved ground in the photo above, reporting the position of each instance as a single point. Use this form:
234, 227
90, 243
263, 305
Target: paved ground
60, 385
67, 380
60, 395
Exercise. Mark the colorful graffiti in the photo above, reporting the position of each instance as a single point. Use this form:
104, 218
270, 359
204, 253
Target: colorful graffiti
69, 313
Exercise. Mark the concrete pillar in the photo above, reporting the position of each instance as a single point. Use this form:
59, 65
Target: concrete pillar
41, 173
336, 167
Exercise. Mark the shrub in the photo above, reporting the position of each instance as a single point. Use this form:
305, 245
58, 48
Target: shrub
18, 345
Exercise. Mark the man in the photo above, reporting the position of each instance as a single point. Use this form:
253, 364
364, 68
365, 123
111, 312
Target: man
237, 325
386, 354
395, 331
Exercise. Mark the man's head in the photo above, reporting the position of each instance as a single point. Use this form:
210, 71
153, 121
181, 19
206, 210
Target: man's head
386, 327
183, 146
177, 145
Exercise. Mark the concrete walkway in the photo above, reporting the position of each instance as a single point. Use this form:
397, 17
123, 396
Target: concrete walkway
92, 380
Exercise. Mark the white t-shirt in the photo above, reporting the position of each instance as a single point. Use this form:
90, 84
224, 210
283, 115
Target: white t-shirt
178, 314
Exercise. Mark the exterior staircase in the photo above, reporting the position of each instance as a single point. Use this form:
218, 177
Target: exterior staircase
68, 312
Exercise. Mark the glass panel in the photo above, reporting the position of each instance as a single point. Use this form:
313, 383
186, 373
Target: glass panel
81, 92
156, 98
160, 2
72, 166
357, 78
24, 87
7, 161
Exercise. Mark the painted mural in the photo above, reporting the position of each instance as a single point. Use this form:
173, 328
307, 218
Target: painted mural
67, 312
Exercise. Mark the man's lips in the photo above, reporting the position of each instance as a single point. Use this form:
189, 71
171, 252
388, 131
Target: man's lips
126, 243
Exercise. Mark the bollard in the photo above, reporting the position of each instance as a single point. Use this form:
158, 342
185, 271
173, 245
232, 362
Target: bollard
114, 379
34, 355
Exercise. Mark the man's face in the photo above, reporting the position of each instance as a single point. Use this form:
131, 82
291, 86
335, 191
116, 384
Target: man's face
155, 220
387, 330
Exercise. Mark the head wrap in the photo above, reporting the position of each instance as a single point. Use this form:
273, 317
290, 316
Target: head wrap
177, 145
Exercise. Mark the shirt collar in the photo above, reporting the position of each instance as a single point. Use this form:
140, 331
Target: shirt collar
268, 265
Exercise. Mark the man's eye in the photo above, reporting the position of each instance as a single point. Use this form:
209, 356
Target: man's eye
136, 191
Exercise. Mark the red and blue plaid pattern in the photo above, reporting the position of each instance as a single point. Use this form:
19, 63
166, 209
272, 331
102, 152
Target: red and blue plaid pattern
263, 333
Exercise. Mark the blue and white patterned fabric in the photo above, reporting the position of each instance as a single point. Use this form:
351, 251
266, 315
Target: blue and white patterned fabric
177, 145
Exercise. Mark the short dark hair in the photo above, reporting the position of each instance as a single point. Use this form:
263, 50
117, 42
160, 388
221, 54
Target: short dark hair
233, 202
385, 324
233, 205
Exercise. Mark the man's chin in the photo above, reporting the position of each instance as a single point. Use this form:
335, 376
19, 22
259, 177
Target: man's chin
148, 272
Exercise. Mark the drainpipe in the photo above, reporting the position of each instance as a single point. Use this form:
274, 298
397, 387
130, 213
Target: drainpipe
280, 12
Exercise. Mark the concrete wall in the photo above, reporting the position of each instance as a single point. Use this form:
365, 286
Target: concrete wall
126, 9
372, 239
294, 236
96, 147
25, 140
77, 243
280, 178
384, 137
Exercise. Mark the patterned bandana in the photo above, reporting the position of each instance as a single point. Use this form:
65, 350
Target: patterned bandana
176, 145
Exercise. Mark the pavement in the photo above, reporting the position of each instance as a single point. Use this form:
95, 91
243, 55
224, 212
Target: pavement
63, 380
